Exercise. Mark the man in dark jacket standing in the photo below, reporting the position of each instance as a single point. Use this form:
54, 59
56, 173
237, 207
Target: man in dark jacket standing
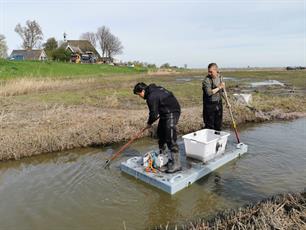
162, 104
212, 99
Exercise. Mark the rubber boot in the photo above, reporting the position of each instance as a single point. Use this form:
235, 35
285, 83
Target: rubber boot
175, 164
165, 167
162, 151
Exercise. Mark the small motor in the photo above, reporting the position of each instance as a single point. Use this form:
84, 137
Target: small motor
158, 160
145, 159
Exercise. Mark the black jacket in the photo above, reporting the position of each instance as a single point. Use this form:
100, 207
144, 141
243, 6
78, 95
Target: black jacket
161, 102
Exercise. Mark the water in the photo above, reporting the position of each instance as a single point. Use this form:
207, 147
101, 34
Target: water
200, 78
71, 190
267, 83
183, 79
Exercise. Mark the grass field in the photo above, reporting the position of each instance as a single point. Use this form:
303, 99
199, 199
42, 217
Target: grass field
292, 78
116, 91
58, 70
108, 86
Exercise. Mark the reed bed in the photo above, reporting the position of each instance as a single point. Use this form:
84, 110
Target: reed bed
23, 86
285, 211
50, 128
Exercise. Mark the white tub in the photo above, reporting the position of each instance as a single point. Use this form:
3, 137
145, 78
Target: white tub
204, 144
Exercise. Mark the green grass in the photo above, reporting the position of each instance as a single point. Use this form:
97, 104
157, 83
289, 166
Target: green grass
109, 88
115, 90
17, 69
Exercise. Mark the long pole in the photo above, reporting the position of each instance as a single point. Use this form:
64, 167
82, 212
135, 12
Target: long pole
136, 136
231, 114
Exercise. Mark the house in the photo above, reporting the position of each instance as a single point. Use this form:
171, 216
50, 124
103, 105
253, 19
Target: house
39, 55
81, 51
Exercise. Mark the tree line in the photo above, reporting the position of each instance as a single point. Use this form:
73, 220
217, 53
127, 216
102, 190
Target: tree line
32, 36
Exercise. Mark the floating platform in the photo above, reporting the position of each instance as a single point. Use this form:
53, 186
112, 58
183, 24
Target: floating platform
192, 170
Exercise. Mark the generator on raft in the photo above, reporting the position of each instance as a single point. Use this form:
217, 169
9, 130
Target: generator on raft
206, 150
152, 161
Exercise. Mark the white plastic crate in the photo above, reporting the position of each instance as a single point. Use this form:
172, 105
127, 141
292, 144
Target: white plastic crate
204, 144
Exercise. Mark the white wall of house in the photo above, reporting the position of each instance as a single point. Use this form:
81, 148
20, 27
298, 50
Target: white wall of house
43, 56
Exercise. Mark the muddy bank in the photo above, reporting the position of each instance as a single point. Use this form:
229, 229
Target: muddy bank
45, 129
286, 211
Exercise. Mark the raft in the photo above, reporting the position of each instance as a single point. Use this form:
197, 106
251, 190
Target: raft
192, 171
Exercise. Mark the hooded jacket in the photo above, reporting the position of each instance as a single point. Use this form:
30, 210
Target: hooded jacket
161, 102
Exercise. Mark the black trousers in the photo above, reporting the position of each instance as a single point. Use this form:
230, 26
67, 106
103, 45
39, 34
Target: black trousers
212, 115
166, 132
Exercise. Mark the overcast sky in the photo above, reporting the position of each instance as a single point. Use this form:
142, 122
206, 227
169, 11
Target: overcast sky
232, 33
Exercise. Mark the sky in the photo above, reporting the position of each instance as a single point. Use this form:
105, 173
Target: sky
232, 33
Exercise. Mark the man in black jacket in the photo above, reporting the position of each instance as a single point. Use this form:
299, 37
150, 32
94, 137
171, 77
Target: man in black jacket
162, 104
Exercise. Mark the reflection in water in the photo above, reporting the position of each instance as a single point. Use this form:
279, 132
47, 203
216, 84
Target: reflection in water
163, 209
72, 189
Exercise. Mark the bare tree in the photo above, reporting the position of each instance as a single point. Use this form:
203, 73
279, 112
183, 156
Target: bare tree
103, 34
91, 37
31, 34
3, 47
110, 44
113, 46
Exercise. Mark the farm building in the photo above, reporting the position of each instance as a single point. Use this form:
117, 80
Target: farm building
81, 51
19, 55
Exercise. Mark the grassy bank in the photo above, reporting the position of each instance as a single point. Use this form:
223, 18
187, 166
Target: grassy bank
59, 70
51, 113
287, 211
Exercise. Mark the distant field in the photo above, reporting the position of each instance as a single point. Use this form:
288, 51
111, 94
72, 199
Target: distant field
34, 69
82, 84
296, 78
115, 91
